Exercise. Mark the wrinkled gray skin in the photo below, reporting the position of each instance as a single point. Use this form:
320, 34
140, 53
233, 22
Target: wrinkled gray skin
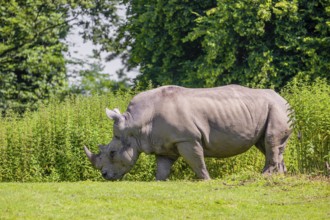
173, 121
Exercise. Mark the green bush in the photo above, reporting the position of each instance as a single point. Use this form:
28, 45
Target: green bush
47, 145
309, 147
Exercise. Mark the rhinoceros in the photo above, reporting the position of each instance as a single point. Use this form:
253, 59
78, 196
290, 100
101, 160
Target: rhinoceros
173, 121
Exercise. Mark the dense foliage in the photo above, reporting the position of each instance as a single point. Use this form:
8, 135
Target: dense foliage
311, 138
153, 39
31, 60
32, 34
259, 43
263, 43
47, 145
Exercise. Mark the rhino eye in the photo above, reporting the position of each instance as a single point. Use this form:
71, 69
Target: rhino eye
112, 153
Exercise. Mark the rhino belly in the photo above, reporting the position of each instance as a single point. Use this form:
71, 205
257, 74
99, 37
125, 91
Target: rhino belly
223, 145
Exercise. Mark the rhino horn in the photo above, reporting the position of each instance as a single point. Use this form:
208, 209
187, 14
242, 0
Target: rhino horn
91, 156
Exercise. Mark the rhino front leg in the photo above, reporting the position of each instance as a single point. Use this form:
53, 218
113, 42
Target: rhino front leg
164, 165
193, 154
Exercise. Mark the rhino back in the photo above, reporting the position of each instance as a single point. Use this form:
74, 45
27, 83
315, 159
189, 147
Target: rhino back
225, 120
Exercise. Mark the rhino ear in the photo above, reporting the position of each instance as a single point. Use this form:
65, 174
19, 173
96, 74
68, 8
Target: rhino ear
114, 115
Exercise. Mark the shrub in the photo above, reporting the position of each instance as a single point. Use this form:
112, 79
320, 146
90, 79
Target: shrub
47, 145
309, 147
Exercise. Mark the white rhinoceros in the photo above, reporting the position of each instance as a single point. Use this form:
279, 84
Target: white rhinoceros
173, 121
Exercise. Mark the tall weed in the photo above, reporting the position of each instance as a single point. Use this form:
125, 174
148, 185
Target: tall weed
47, 145
309, 147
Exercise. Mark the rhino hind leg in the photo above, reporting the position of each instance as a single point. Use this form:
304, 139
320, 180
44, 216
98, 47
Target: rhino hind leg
275, 139
274, 160
276, 136
271, 165
274, 149
193, 154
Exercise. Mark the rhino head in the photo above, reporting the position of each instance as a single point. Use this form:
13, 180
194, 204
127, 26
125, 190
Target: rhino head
118, 157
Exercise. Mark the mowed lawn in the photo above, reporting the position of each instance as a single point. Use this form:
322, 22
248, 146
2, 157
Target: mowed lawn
235, 197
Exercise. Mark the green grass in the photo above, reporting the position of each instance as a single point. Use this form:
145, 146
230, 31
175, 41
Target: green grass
236, 197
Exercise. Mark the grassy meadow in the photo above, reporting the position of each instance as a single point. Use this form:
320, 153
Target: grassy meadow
246, 196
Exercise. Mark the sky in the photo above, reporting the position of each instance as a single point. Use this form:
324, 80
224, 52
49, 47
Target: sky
83, 50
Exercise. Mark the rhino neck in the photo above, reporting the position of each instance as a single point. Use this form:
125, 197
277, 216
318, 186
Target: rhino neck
143, 140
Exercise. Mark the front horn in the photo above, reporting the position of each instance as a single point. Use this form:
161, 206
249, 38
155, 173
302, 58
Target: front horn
91, 156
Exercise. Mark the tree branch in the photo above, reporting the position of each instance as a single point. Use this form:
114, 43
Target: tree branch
35, 38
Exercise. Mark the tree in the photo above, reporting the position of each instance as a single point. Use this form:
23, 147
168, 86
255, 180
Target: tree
259, 43
263, 43
32, 64
32, 34
151, 39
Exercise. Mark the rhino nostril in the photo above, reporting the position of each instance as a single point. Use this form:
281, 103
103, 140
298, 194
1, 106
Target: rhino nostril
104, 173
